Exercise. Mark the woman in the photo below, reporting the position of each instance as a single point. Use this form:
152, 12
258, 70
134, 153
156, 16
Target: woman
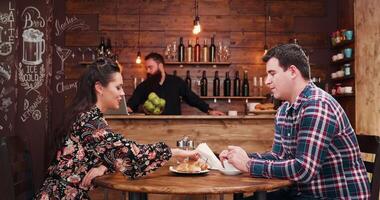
90, 148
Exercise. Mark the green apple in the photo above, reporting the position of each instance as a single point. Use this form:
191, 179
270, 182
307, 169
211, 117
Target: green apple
156, 101
157, 111
162, 103
152, 96
148, 105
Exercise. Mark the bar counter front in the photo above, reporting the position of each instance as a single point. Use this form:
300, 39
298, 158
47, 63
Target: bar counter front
252, 133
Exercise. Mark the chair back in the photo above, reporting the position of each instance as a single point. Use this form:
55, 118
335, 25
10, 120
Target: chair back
371, 144
15, 169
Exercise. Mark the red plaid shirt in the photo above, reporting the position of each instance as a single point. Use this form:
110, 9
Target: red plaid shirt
315, 146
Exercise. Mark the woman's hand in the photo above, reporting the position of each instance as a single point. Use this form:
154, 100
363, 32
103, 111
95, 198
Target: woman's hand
223, 156
182, 154
94, 172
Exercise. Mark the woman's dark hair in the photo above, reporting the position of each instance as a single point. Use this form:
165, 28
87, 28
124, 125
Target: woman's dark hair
100, 71
290, 54
156, 57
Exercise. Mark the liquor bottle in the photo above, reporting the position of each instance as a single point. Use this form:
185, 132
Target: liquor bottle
204, 84
175, 73
245, 86
237, 84
227, 85
205, 52
212, 50
108, 48
197, 51
255, 87
216, 85
188, 79
189, 52
181, 51
101, 48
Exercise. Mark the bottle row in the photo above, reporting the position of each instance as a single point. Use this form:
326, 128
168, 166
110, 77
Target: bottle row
105, 49
239, 87
197, 53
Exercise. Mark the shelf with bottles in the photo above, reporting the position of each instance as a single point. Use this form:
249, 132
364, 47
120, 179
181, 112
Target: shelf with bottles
341, 38
196, 55
234, 98
344, 95
103, 50
344, 78
342, 44
342, 61
214, 64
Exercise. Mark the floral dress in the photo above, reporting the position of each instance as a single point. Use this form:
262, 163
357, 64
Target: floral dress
92, 143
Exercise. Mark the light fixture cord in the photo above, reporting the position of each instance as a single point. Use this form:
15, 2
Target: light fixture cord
139, 27
265, 23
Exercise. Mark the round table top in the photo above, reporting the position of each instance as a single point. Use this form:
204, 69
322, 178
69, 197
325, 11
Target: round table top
163, 181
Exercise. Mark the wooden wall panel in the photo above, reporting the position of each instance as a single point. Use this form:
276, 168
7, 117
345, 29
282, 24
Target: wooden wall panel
367, 62
238, 24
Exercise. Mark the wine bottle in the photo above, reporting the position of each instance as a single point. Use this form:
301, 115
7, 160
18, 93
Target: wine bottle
204, 84
245, 86
108, 48
101, 48
216, 84
237, 84
227, 85
189, 52
181, 51
197, 51
188, 79
175, 73
212, 50
205, 52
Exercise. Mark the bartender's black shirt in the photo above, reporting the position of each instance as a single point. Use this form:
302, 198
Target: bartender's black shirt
171, 90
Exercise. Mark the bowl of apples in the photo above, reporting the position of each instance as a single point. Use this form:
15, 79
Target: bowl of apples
154, 105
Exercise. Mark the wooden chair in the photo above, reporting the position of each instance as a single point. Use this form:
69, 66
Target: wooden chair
371, 144
15, 169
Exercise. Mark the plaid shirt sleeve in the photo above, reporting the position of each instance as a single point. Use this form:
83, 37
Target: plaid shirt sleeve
317, 125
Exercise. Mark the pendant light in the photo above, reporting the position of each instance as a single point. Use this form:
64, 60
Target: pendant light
197, 24
265, 28
138, 58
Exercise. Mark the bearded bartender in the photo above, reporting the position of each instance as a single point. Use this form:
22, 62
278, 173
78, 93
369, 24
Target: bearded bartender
169, 87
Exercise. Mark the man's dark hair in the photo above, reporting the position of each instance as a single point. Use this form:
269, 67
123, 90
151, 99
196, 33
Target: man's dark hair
156, 57
290, 54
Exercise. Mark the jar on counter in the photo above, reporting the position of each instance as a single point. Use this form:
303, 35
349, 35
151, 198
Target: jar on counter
347, 69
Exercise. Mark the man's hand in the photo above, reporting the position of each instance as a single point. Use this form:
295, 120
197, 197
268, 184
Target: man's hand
94, 172
238, 158
215, 112
129, 109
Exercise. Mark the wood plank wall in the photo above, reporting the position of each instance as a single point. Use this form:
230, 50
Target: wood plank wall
237, 23
367, 62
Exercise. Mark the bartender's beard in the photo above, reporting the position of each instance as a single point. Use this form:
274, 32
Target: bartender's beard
156, 77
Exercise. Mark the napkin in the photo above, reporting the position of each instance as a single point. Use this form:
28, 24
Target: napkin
207, 154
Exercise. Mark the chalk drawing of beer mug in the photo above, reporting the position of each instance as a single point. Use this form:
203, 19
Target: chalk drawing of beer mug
33, 46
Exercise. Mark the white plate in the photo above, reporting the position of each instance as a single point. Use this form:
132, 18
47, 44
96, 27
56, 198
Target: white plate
172, 169
230, 172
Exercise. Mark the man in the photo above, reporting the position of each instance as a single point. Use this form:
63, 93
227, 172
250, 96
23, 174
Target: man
314, 144
168, 87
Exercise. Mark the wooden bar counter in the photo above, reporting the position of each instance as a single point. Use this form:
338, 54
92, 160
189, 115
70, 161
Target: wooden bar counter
253, 133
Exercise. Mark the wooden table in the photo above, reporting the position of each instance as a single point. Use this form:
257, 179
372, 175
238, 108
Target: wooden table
165, 182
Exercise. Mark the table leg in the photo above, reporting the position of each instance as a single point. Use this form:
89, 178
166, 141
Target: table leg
105, 194
238, 196
260, 195
137, 196
123, 196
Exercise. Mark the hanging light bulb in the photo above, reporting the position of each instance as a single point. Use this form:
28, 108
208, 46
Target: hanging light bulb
197, 26
138, 59
265, 49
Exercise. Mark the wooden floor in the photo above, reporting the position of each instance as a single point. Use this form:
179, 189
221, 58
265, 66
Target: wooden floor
98, 194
